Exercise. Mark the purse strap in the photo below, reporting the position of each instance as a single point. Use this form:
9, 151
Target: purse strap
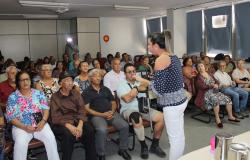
131, 89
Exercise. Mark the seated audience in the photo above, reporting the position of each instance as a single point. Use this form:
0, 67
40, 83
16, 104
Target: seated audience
88, 59
228, 87
145, 66
202, 55
81, 81
58, 69
46, 60
28, 111
8, 86
114, 77
7, 63
230, 66
65, 61
101, 108
100, 59
208, 66
97, 65
52, 61
194, 60
107, 64
69, 119
241, 76
124, 60
47, 84
74, 70
208, 96
128, 94
118, 55
189, 73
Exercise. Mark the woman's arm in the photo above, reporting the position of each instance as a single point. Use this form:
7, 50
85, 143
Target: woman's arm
162, 62
20, 125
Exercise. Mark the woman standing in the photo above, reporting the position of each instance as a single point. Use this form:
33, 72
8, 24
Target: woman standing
167, 83
28, 111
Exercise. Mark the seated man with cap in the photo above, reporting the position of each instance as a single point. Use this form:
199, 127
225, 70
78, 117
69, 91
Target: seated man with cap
128, 94
69, 119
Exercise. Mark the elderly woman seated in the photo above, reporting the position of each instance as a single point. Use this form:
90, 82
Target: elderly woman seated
47, 84
28, 111
241, 76
230, 66
208, 95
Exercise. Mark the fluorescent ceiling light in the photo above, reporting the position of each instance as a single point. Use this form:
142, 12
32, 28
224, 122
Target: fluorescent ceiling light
43, 4
120, 7
40, 16
32, 16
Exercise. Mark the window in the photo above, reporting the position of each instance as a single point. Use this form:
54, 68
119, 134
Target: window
164, 23
156, 24
194, 32
218, 39
242, 13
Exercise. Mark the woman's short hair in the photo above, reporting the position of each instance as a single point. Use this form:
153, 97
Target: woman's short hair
17, 80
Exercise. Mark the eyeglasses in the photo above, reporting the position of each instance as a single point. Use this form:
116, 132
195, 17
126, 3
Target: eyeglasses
26, 79
133, 71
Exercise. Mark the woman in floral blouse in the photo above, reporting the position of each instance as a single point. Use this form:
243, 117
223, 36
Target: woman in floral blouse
47, 84
23, 109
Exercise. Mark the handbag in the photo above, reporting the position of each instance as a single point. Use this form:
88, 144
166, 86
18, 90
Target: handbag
142, 103
37, 116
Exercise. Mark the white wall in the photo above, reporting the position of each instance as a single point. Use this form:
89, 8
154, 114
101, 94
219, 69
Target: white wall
177, 25
34, 38
88, 34
126, 35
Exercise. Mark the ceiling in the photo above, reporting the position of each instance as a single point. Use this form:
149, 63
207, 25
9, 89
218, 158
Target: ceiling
96, 8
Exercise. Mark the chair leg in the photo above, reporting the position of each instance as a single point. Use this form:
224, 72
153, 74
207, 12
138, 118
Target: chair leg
197, 116
133, 143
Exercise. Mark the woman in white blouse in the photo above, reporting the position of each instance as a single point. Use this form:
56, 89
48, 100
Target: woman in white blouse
241, 76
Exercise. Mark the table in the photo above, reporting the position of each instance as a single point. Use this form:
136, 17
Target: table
204, 153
